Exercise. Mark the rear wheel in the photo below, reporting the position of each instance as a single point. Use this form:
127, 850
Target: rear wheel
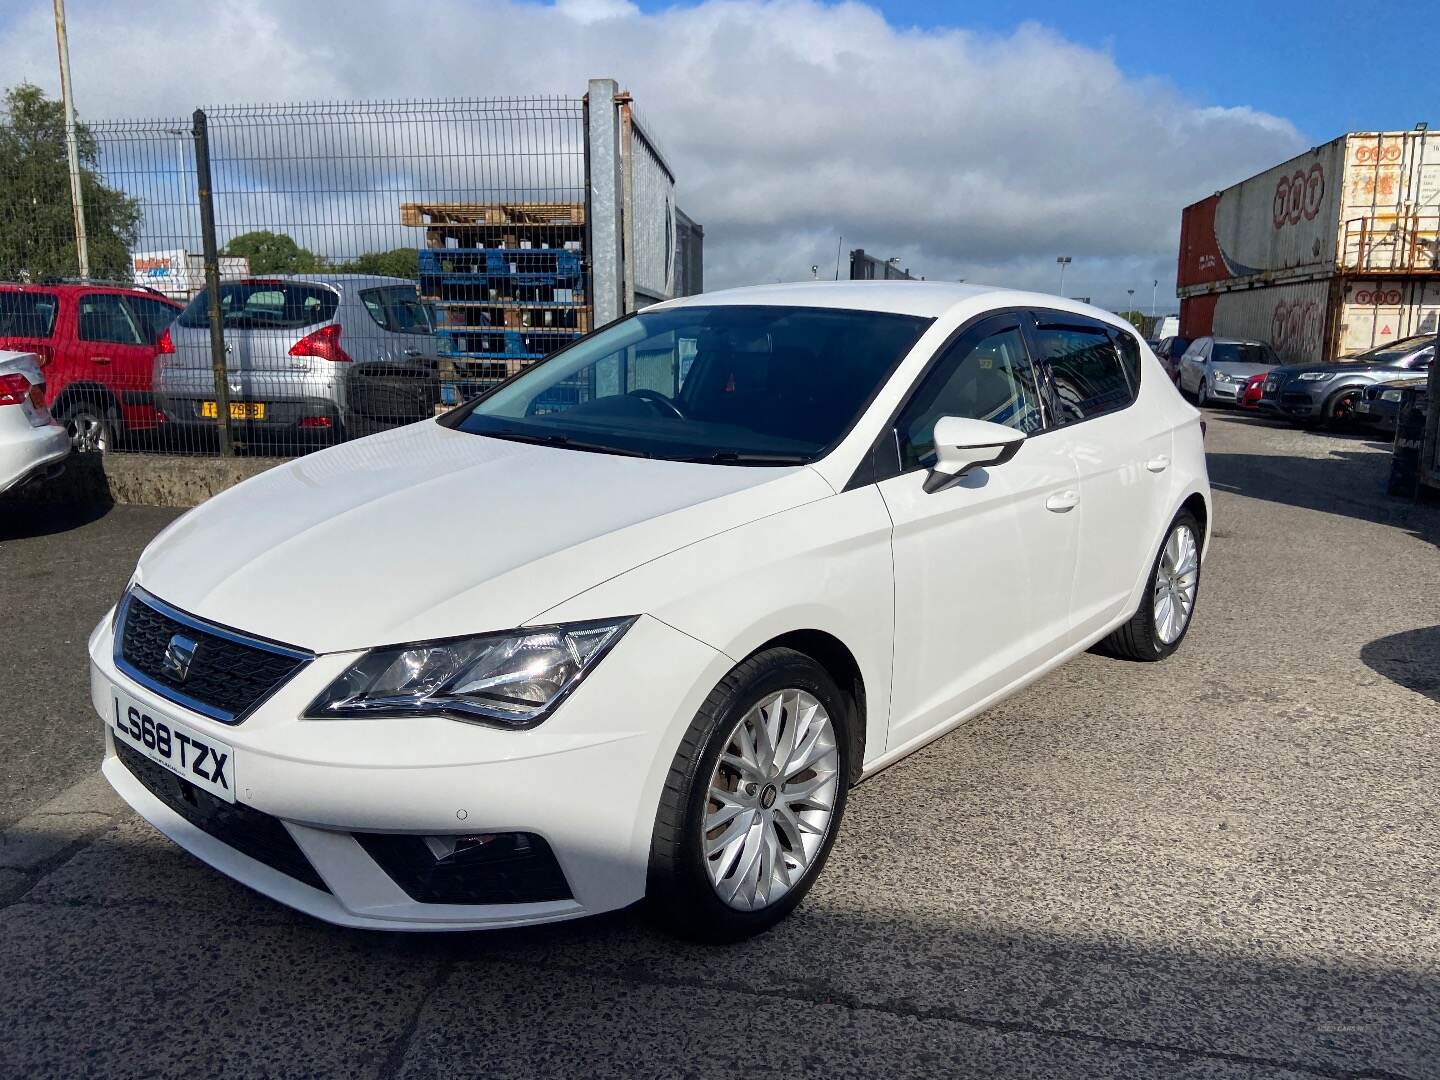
1157, 628
753, 800
91, 424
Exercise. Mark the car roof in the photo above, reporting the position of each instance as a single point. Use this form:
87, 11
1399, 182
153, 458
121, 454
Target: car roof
1238, 341
83, 286
925, 298
335, 281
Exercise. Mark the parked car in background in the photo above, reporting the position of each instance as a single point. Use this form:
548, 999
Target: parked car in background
1379, 404
705, 598
98, 345
1328, 393
32, 444
1250, 393
1213, 370
1169, 350
327, 355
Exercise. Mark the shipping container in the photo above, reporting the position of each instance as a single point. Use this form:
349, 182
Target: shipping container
1333, 252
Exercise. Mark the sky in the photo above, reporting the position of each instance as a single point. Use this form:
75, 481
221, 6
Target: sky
970, 140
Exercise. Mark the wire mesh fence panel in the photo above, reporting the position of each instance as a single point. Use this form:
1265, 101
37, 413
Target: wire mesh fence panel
377, 261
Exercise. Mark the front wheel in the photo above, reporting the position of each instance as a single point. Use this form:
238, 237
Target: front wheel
1157, 628
753, 800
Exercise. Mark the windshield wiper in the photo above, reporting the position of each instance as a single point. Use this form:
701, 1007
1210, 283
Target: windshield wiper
745, 457
564, 442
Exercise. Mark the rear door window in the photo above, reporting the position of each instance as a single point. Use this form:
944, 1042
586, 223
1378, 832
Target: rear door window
104, 317
398, 308
1087, 378
27, 314
265, 305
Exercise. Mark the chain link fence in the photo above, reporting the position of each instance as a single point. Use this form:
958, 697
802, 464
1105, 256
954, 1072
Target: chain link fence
376, 262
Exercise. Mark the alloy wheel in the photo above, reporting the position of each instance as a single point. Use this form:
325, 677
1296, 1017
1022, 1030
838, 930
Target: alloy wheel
771, 800
88, 433
1177, 577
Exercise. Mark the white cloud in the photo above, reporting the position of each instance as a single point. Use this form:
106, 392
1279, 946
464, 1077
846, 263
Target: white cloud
967, 154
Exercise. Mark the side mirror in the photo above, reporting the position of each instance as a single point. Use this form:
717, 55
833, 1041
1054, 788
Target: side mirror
962, 444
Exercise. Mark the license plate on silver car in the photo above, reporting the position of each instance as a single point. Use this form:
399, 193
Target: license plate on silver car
206, 762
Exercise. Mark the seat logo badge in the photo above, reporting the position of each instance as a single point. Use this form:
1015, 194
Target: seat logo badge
179, 654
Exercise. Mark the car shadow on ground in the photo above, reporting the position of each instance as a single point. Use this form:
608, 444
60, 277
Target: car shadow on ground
1411, 658
1346, 482
848, 985
23, 517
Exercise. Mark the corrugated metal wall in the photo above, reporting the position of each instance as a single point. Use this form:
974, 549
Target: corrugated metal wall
1292, 318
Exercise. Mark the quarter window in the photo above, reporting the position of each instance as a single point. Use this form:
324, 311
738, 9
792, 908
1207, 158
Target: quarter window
1086, 375
989, 379
27, 314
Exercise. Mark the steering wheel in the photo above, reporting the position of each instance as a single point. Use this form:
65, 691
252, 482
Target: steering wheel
659, 400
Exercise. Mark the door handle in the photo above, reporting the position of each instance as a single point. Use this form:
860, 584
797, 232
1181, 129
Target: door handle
1158, 464
1063, 501
410, 352
100, 359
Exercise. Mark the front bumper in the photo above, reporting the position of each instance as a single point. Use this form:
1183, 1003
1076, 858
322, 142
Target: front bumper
587, 781
1225, 391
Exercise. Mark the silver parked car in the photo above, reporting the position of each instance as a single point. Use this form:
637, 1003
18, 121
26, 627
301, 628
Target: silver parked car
1214, 370
327, 355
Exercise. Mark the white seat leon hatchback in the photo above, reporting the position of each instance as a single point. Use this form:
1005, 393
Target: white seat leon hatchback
629, 626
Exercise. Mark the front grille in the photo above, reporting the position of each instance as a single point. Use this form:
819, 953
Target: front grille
235, 825
228, 675
503, 868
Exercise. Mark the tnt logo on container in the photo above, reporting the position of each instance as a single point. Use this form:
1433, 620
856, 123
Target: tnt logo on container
1378, 297
1298, 196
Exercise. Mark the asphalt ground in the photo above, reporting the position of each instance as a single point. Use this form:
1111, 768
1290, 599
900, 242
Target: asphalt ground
1219, 866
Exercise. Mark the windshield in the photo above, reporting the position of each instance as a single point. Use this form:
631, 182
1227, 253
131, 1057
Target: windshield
1226, 352
725, 384
263, 305
1392, 352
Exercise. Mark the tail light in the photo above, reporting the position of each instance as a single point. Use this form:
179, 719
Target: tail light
15, 389
324, 343
166, 344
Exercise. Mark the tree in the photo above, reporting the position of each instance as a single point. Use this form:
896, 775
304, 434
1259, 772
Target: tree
272, 253
1136, 319
397, 262
37, 225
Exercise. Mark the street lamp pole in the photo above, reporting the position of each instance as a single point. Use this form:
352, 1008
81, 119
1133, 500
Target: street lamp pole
1154, 285
1064, 261
72, 150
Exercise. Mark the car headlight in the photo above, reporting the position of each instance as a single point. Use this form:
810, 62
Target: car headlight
1225, 377
1390, 395
1315, 376
512, 679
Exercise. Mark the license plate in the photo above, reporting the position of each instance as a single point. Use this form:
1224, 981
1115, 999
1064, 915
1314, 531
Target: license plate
1362, 406
206, 762
239, 410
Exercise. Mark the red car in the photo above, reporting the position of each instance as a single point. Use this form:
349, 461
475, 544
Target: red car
98, 343
1249, 397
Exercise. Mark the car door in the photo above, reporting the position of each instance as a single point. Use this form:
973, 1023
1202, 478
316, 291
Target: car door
984, 566
114, 353
402, 329
1091, 372
1192, 365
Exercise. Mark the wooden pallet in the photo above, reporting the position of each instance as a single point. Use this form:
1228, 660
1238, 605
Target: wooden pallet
478, 214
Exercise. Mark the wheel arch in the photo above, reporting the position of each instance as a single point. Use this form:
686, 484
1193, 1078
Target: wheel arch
84, 391
835, 657
1196, 504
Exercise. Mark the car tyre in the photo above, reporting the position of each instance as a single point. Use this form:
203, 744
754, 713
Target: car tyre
1340, 410
1151, 634
767, 836
92, 424
1202, 395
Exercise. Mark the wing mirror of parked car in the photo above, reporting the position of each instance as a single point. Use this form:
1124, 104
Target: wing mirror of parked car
962, 445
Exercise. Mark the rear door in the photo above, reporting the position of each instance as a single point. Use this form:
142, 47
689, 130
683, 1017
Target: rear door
1122, 454
113, 352
400, 326
983, 567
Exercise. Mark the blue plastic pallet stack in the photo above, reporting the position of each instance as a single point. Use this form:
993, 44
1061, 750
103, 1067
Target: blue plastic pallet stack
507, 282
